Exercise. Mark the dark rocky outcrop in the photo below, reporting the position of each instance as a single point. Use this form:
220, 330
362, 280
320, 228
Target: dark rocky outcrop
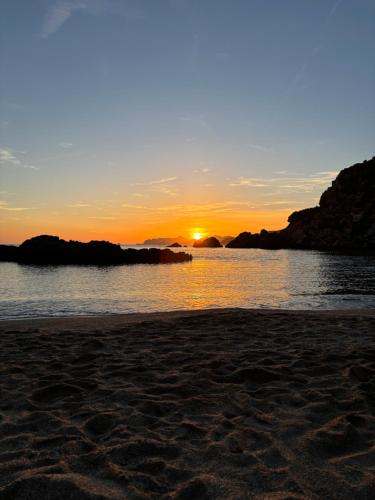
272, 240
343, 221
175, 245
211, 242
53, 250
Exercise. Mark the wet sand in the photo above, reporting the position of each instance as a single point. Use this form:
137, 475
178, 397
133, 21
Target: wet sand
229, 404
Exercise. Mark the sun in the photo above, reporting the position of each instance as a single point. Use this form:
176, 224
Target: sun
197, 236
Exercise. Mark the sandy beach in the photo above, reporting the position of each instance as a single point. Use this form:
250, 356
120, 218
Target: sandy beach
225, 404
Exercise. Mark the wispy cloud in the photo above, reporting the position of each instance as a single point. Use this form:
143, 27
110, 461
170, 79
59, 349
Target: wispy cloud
164, 180
159, 186
248, 182
136, 207
56, 16
277, 203
66, 145
166, 190
197, 121
4, 206
194, 209
334, 8
301, 72
103, 217
16, 209
259, 147
307, 184
202, 170
314, 51
78, 205
141, 195
232, 208
59, 11
8, 157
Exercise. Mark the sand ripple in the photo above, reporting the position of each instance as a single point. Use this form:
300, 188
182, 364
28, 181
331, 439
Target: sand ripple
230, 404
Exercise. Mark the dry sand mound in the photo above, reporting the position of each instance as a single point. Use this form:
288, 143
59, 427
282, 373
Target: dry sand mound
229, 404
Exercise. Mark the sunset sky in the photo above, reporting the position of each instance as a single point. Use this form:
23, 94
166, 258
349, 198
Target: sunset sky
126, 120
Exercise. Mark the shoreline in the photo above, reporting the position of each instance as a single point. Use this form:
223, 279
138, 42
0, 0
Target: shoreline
107, 320
202, 404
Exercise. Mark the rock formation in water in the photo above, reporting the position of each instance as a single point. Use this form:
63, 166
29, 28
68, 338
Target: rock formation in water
344, 219
53, 250
211, 242
175, 245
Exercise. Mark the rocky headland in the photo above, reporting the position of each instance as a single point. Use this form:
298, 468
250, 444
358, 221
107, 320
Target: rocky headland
344, 220
53, 250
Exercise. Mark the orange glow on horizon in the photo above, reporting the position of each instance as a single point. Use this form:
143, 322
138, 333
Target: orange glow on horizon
133, 227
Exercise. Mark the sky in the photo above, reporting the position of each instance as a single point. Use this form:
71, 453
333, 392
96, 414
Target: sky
132, 119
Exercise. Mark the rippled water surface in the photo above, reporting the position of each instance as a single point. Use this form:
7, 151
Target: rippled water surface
215, 278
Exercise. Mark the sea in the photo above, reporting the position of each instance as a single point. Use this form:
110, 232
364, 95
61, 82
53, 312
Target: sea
215, 278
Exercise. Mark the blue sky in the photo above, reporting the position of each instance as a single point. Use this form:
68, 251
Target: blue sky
114, 113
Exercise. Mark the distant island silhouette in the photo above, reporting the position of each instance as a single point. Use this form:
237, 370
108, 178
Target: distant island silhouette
163, 242
47, 249
344, 219
182, 241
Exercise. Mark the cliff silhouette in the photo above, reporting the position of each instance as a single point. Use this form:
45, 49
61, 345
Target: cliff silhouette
46, 249
344, 220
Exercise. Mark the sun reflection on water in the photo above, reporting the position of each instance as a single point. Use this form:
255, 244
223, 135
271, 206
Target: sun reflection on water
216, 277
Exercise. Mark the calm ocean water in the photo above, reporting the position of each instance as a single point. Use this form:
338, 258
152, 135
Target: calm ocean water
215, 278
